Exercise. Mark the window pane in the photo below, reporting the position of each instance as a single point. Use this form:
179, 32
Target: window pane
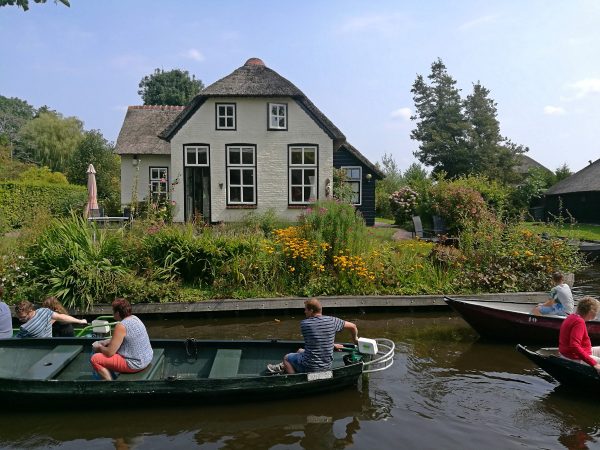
248, 156
191, 156
281, 122
221, 122
309, 157
308, 194
355, 174
281, 110
234, 176
163, 173
248, 194
296, 156
297, 194
202, 156
248, 177
153, 174
229, 110
274, 109
230, 122
234, 156
309, 176
235, 194
296, 177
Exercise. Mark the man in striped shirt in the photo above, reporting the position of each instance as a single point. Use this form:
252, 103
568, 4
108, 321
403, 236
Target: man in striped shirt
37, 323
319, 336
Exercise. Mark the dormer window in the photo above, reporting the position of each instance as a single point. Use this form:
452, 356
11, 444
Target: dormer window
225, 116
277, 116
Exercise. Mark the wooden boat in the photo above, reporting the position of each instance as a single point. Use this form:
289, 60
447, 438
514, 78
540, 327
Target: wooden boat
513, 321
563, 370
46, 371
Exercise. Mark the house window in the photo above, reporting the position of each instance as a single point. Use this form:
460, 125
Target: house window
241, 175
159, 182
354, 179
225, 116
302, 174
277, 116
196, 155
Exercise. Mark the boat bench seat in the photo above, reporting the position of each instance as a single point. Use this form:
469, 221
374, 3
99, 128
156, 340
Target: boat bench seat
149, 372
226, 363
53, 362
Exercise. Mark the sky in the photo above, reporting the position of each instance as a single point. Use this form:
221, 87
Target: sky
356, 60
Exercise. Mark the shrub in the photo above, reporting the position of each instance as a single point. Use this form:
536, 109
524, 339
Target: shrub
42, 175
76, 262
403, 204
20, 201
458, 204
336, 224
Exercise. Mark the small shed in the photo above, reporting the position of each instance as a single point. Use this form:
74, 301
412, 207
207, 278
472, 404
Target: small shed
577, 196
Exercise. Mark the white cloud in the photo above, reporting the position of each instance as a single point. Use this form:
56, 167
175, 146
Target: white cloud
401, 113
554, 110
194, 54
380, 23
585, 87
477, 22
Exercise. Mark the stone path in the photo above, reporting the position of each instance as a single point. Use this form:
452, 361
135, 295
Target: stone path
399, 235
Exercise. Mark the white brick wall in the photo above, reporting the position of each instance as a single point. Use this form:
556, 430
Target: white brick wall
271, 152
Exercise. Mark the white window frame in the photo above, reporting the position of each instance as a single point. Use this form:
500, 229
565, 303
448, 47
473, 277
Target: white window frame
302, 167
157, 187
277, 116
223, 114
352, 181
241, 167
197, 149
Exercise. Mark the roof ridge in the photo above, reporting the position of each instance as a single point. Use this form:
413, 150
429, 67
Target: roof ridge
158, 107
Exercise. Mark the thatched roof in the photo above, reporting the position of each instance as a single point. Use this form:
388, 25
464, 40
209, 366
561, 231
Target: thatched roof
586, 180
254, 79
525, 163
139, 133
358, 155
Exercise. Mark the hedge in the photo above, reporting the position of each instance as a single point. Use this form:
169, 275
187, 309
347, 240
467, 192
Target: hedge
19, 201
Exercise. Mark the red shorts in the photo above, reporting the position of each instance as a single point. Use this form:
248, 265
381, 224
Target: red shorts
115, 363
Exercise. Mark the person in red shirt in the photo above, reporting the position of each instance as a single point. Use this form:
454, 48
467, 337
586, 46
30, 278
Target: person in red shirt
573, 340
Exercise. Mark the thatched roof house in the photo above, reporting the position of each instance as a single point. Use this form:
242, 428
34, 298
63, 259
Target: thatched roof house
289, 150
578, 195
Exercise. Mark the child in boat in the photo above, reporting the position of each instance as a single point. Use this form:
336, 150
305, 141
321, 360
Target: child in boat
37, 323
574, 341
561, 299
59, 329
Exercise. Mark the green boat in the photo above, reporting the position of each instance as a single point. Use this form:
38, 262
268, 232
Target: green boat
57, 371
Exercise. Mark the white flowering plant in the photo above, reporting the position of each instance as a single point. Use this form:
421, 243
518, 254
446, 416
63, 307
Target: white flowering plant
403, 203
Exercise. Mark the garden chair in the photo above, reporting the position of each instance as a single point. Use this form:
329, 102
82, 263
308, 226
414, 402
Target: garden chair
423, 234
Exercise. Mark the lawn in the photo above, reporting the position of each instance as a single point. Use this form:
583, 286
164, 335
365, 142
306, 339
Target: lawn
571, 231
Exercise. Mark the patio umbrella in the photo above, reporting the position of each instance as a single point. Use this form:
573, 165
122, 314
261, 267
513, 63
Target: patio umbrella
91, 208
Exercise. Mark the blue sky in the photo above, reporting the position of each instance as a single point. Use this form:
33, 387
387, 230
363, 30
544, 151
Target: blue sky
355, 60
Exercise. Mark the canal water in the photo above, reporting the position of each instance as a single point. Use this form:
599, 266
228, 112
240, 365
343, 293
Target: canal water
447, 389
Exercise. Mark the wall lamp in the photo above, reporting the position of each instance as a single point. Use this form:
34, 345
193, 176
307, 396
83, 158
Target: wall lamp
135, 161
368, 177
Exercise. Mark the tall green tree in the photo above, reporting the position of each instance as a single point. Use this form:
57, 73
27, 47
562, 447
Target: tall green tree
14, 114
95, 149
49, 140
384, 188
492, 154
174, 87
24, 4
441, 127
562, 172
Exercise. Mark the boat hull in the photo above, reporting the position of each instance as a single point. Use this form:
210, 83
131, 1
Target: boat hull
566, 372
500, 324
183, 377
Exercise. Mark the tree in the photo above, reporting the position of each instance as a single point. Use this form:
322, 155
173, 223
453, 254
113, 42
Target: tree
441, 126
43, 175
25, 3
384, 188
563, 172
174, 87
49, 140
493, 155
460, 137
94, 149
14, 113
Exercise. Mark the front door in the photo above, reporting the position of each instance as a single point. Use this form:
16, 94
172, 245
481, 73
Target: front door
197, 194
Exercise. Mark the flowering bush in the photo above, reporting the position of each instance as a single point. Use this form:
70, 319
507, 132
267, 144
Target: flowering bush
458, 205
403, 203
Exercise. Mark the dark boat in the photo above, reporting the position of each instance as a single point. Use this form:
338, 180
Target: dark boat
563, 370
46, 371
513, 321
590, 248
